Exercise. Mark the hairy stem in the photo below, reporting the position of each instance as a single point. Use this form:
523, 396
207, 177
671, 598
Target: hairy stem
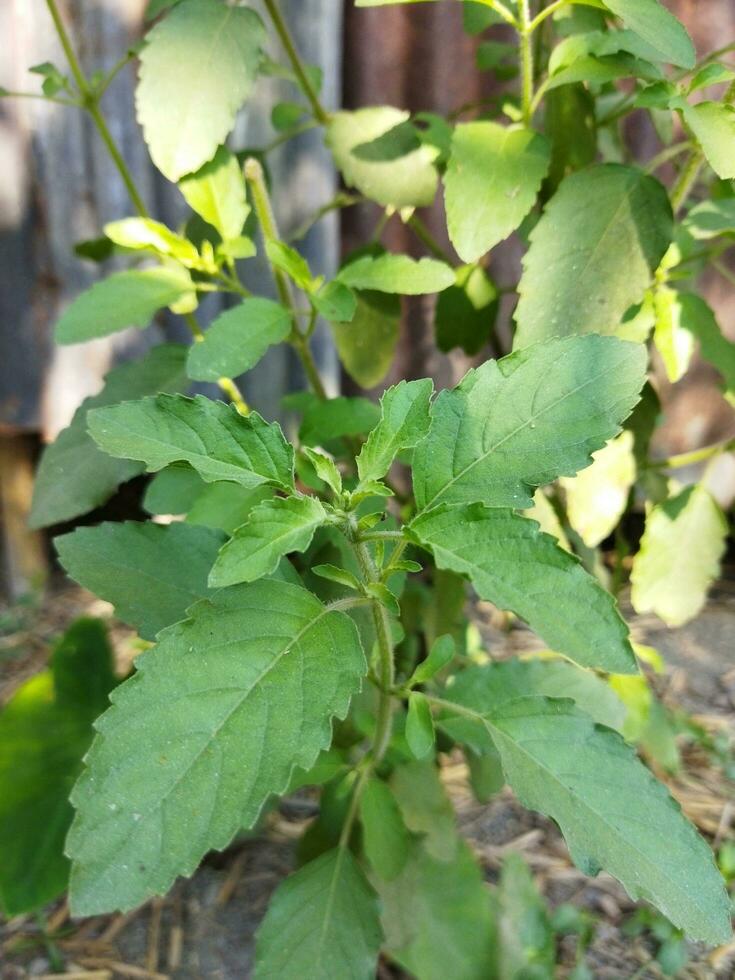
320, 113
525, 40
264, 210
547, 12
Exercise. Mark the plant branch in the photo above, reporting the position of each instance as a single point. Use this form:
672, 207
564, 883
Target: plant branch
525, 40
547, 12
320, 113
691, 458
500, 8
423, 234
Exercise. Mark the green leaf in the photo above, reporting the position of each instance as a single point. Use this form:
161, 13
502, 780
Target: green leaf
45, 729
511, 563
597, 497
366, 345
151, 573
385, 839
656, 25
226, 505
173, 490
465, 313
397, 274
326, 468
291, 262
197, 68
426, 808
437, 917
218, 442
336, 302
238, 339
713, 124
419, 725
526, 946
74, 476
714, 347
593, 253
325, 421
442, 653
332, 573
322, 923
679, 557
493, 178
124, 299
674, 343
570, 124
404, 421
221, 711
410, 180
274, 528
217, 193
518, 423
613, 813
711, 218
146, 234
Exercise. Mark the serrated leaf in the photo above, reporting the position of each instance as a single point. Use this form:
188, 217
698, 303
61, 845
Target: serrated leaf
465, 313
196, 70
713, 124
322, 923
410, 180
658, 27
325, 467
213, 438
151, 573
385, 839
492, 180
45, 729
222, 710
217, 193
511, 563
437, 917
366, 345
74, 476
274, 528
419, 725
237, 339
404, 421
593, 253
679, 557
399, 274
613, 813
518, 423
597, 497
124, 299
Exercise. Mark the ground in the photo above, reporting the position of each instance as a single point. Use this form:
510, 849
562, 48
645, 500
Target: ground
204, 929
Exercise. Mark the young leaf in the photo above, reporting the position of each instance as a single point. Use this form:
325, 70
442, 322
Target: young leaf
673, 341
124, 299
366, 344
144, 233
397, 274
711, 218
404, 421
74, 476
597, 497
237, 339
437, 917
322, 922
679, 558
713, 124
325, 467
407, 180
386, 840
593, 253
465, 313
512, 564
196, 70
273, 529
332, 573
613, 813
291, 262
656, 25
518, 423
218, 442
221, 711
45, 729
419, 725
217, 193
441, 654
151, 573
491, 183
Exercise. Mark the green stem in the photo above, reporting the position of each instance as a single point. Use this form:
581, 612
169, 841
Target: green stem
500, 8
525, 40
424, 235
547, 12
320, 113
689, 459
6, 94
665, 155
264, 210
